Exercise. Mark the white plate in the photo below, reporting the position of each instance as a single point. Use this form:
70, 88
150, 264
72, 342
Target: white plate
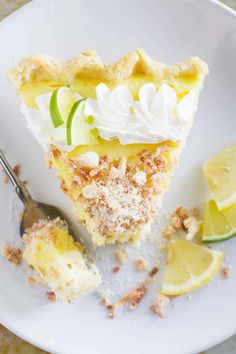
169, 31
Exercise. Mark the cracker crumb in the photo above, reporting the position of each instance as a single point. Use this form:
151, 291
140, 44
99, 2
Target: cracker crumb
116, 269
160, 301
13, 255
105, 295
182, 212
114, 173
225, 271
134, 297
141, 265
140, 178
5, 179
111, 310
122, 166
153, 271
193, 226
89, 159
176, 222
169, 232
16, 169
51, 296
155, 309
89, 191
98, 170
185, 220
35, 281
120, 256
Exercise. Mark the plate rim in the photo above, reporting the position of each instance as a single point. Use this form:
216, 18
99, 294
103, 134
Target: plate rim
14, 329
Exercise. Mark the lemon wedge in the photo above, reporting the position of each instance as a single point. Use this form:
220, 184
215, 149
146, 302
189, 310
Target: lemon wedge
61, 102
218, 225
189, 266
220, 173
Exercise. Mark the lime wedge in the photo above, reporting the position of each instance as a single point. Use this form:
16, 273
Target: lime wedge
218, 225
62, 100
77, 129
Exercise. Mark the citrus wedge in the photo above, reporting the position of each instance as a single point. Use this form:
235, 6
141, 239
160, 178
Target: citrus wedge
218, 225
77, 129
220, 173
61, 102
189, 266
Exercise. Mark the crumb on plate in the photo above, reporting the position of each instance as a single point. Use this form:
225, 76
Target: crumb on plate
141, 264
176, 222
153, 272
169, 232
105, 295
134, 297
182, 212
35, 281
225, 271
51, 296
183, 220
16, 169
116, 269
13, 255
192, 225
159, 302
5, 179
120, 256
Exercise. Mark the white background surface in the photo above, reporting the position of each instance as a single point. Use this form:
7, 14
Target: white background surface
170, 31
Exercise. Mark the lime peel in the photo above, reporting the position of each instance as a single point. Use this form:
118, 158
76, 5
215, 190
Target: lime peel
70, 120
77, 126
61, 102
218, 225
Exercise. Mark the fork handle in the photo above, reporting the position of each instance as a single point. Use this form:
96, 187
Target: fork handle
19, 187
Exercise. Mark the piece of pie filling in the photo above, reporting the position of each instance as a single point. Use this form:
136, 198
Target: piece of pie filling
60, 261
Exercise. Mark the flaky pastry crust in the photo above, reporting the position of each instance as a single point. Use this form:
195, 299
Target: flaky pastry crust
38, 68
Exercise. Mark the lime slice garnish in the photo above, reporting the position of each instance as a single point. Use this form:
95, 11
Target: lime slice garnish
77, 129
62, 100
218, 225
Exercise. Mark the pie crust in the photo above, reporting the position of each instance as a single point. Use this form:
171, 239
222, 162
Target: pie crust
38, 68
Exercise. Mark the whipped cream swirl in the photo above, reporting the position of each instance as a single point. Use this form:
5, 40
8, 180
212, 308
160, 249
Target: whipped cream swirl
155, 117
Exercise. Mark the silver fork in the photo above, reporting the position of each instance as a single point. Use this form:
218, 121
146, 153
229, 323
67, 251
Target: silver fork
33, 210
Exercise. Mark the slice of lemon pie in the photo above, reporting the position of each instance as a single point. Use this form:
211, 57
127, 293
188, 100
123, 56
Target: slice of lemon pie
113, 132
